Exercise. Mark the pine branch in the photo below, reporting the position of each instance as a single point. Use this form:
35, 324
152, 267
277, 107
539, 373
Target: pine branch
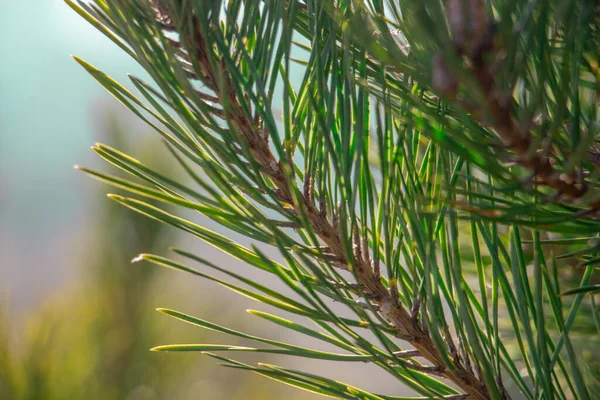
475, 44
219, 81
378, 151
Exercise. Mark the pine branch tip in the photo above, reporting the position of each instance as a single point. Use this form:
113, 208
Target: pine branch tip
89, 67
138, 258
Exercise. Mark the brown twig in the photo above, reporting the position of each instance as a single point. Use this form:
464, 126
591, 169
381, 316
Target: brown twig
474, 41
406, 354
386, 301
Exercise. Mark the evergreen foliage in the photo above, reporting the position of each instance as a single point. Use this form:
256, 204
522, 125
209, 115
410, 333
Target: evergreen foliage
429, 165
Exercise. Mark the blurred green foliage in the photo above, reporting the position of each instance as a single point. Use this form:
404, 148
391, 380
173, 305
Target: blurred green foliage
92, 341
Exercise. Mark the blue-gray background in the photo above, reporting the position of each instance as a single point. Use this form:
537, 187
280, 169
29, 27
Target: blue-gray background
51, 111
48, 110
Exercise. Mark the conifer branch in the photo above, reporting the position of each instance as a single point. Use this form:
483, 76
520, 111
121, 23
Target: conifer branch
475, 43
386, 300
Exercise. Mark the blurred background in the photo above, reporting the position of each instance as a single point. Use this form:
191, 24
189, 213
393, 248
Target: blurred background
77, 319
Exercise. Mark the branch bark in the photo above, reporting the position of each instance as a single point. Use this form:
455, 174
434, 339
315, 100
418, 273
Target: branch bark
387, 301
473, 44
